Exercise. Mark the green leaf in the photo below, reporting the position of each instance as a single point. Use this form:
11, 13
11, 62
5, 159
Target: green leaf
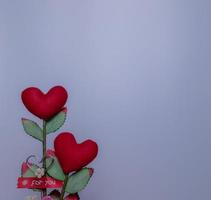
30, 172
78, 181
56, 122
54, 169
32, 129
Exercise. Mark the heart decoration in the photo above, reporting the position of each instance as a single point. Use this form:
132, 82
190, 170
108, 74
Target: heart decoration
44, 106
73, 156
65, 165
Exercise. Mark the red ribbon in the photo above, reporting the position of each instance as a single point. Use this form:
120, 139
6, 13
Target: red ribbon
39, 183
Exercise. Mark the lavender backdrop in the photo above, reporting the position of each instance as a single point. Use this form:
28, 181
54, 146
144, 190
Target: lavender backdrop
139, 77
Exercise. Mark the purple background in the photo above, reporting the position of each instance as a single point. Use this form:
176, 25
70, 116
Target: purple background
139, 77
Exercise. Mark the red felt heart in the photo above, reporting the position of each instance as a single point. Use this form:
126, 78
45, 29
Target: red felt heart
43, 105
73, 156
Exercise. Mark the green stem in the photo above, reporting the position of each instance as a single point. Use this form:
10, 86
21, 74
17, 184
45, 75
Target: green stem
63, 188
44, 191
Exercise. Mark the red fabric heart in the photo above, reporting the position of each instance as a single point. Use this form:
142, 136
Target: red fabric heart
73, 156
43, 105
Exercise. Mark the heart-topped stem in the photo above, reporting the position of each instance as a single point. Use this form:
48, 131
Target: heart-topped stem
44, 146
63, 188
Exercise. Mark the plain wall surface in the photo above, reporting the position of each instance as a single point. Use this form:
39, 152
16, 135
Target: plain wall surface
139, 77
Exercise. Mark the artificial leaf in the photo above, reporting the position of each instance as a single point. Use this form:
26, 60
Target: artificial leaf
78, 181
55, 195
54, 169
30, 172
32, 129
56, 122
